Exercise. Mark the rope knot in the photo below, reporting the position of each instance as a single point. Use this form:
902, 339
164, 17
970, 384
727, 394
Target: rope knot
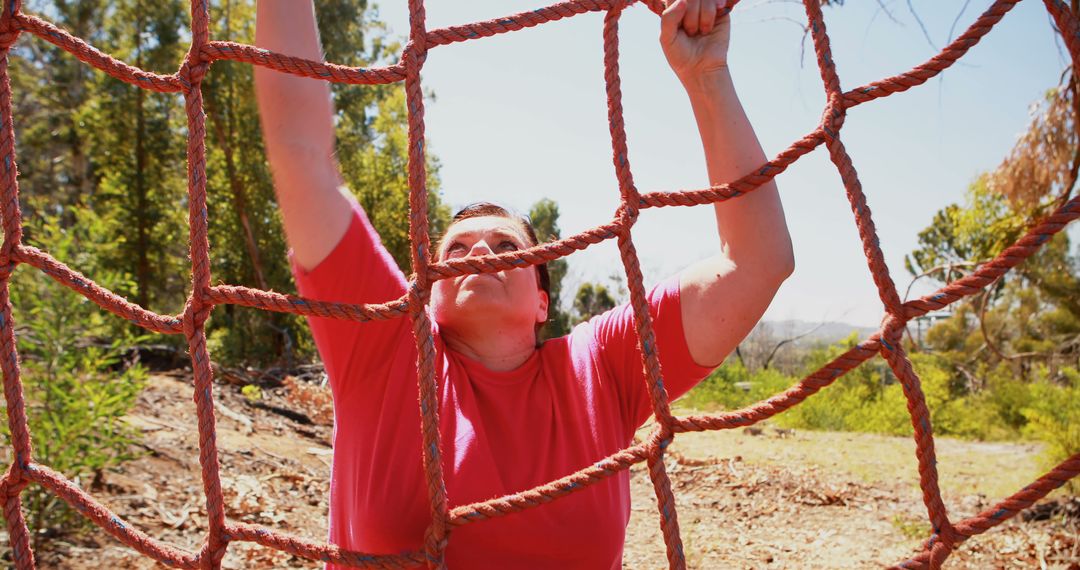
15, 480
627, 213
660, 439
415, 53
941, 544
7, 267
418, 295
832, 119
196, 311
193, 69
892, 324
892, 330
9, 23
895, 318
7, 257
949, 537
7, 38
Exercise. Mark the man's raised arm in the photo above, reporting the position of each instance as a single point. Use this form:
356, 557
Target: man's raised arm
297, 125
723, 297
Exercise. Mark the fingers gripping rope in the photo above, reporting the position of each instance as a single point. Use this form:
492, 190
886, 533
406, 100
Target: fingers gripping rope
188, 79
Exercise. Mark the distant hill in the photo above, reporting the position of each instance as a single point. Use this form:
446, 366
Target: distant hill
828, 332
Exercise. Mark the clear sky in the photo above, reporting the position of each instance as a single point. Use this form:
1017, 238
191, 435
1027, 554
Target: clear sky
522, 116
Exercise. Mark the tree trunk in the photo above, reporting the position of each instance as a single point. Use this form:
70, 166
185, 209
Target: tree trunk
236, 187
142, 201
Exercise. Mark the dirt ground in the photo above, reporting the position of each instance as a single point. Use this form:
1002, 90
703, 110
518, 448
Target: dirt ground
773, 500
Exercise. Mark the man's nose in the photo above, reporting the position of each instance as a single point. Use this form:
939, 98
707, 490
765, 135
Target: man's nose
480, 248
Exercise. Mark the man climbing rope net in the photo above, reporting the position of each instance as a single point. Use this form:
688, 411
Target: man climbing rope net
456, 374
514, 412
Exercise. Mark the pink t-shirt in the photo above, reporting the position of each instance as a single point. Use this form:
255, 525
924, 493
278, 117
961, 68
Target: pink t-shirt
576, 400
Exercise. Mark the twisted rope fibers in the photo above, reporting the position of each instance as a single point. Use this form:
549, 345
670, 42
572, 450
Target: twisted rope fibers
188, 80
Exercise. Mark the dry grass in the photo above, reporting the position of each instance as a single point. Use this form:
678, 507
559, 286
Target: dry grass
992, 469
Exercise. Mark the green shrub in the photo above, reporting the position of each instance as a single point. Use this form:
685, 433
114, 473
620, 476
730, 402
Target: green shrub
870, 399
1009, 395
1053, 416
852, 402
76, 383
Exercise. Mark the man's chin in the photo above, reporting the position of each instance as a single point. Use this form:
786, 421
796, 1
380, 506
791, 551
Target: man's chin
470, 300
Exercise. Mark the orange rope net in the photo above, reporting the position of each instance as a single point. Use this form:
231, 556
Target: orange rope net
188, 80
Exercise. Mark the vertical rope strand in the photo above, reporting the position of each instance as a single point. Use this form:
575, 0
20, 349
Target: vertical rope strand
14, 480
832, 121
436, 536
198, 309
665, 499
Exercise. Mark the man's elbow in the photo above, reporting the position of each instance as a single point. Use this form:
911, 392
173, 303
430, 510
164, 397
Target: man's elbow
782, 266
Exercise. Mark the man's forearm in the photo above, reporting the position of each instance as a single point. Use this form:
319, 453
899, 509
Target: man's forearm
294, 109
298, 128
751, 226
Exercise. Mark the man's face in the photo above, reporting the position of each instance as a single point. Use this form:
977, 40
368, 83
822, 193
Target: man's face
511, 297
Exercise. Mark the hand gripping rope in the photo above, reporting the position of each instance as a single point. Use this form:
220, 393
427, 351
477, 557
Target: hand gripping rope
188, 80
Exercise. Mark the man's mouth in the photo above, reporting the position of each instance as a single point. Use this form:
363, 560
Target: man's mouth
480, 275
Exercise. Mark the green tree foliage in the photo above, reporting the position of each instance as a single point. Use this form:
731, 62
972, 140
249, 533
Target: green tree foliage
1031, 316
867, 399
49, 89
87, 139
591, 300
247, 243
135, 139
1013, 351
1052, 417
372, 127
377, 172
545, 220
90, 139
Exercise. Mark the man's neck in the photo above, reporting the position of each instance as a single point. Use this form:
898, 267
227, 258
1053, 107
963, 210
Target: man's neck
498, 348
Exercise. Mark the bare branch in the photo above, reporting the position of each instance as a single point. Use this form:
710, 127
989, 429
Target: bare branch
778, 345
952, 29
883, 8
974, 382
990, 343
922, 26
947, 268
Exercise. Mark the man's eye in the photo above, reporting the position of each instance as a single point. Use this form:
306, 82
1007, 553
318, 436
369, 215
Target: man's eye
456, 249
507, 245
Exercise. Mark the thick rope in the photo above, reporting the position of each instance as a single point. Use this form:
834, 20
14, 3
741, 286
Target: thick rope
15, 480
188, 80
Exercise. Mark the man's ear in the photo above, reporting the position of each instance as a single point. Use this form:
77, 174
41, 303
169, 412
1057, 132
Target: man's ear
542, 307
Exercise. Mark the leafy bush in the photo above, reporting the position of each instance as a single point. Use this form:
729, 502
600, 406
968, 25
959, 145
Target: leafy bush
77, 384
861, 400
1053, 416
1009, 395
870, 399
730, 387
